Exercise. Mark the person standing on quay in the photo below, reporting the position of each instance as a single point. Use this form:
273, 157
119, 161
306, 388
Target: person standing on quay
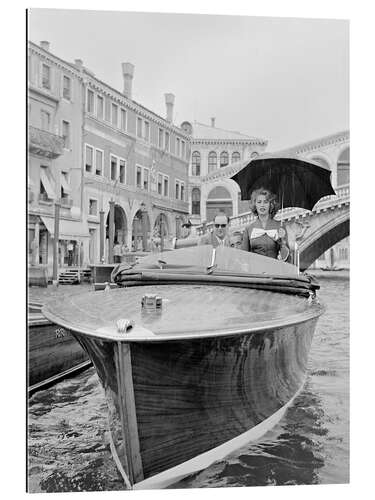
117, 253
186, 226
70, 248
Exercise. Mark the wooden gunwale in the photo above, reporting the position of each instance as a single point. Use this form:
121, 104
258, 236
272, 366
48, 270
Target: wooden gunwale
44, 384
37, 319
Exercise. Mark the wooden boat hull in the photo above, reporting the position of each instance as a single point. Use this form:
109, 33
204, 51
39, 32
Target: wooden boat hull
213, 363
52, 352
194, 395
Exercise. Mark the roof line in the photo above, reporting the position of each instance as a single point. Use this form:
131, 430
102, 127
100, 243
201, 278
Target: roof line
226, 130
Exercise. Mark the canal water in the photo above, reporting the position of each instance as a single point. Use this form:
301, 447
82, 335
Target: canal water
69, 449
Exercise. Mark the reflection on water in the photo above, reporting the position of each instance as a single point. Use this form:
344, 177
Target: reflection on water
69, 447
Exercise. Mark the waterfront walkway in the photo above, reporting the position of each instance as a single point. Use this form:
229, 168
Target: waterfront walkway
43, 294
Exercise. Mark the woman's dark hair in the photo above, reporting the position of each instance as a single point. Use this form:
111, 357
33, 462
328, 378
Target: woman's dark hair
274, 206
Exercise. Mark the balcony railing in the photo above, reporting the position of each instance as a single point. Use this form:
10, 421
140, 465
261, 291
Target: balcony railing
65, 202
46, 144
44, 197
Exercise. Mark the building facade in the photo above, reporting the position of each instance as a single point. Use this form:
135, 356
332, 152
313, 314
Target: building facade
98, 155
212, 149
55, 155
135, 161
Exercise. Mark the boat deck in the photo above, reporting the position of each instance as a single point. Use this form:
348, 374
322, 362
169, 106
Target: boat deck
188, 311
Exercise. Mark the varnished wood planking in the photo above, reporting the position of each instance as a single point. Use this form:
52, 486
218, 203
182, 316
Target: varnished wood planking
192, 396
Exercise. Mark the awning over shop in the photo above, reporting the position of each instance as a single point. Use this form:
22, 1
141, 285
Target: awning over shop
47, 184
65, 185
68, 229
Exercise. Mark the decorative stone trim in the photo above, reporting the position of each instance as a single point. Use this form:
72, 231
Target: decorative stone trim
56, 61
99, 86
235, 142
317, 144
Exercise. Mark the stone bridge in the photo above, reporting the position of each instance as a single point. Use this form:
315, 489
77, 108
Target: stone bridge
314, 232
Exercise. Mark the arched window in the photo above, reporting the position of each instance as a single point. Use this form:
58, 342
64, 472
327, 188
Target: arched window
254, 154
196, 201
196, 163
212, 161
219, 200
343, 167
236, 156
224, 159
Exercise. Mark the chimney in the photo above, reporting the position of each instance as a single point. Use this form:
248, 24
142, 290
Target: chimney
169, 102
127, 73
78, 63
45, 45
213, 122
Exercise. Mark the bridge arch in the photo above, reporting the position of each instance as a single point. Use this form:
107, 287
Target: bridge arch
324, 237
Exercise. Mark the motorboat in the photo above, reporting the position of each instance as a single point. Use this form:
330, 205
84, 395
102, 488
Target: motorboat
53, 353
200, 350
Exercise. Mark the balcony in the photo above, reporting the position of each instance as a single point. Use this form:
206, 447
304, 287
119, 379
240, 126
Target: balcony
43, 197
45, 144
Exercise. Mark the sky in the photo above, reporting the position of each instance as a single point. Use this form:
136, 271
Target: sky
281, 79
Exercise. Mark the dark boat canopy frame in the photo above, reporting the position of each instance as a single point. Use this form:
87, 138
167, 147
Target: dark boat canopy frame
220, 266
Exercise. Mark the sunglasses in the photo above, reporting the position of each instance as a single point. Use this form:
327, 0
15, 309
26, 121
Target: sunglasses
220, 225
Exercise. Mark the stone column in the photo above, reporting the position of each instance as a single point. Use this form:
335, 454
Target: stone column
101, 237
56, 244
111, 231
35, 246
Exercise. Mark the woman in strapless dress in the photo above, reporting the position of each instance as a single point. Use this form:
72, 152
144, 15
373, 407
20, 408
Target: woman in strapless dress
265, 235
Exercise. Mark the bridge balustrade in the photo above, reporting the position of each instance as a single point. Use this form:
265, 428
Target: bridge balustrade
240, 221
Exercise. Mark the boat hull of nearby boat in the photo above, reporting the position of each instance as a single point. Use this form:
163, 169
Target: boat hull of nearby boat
53, 353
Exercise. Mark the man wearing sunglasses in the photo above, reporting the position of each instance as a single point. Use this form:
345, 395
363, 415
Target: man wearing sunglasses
219, 235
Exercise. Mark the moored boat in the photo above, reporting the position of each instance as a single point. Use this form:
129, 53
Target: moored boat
199, 351
53, 353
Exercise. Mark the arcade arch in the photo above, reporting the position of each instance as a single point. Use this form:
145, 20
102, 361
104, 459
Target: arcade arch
141, 231
120, 225
218, 200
